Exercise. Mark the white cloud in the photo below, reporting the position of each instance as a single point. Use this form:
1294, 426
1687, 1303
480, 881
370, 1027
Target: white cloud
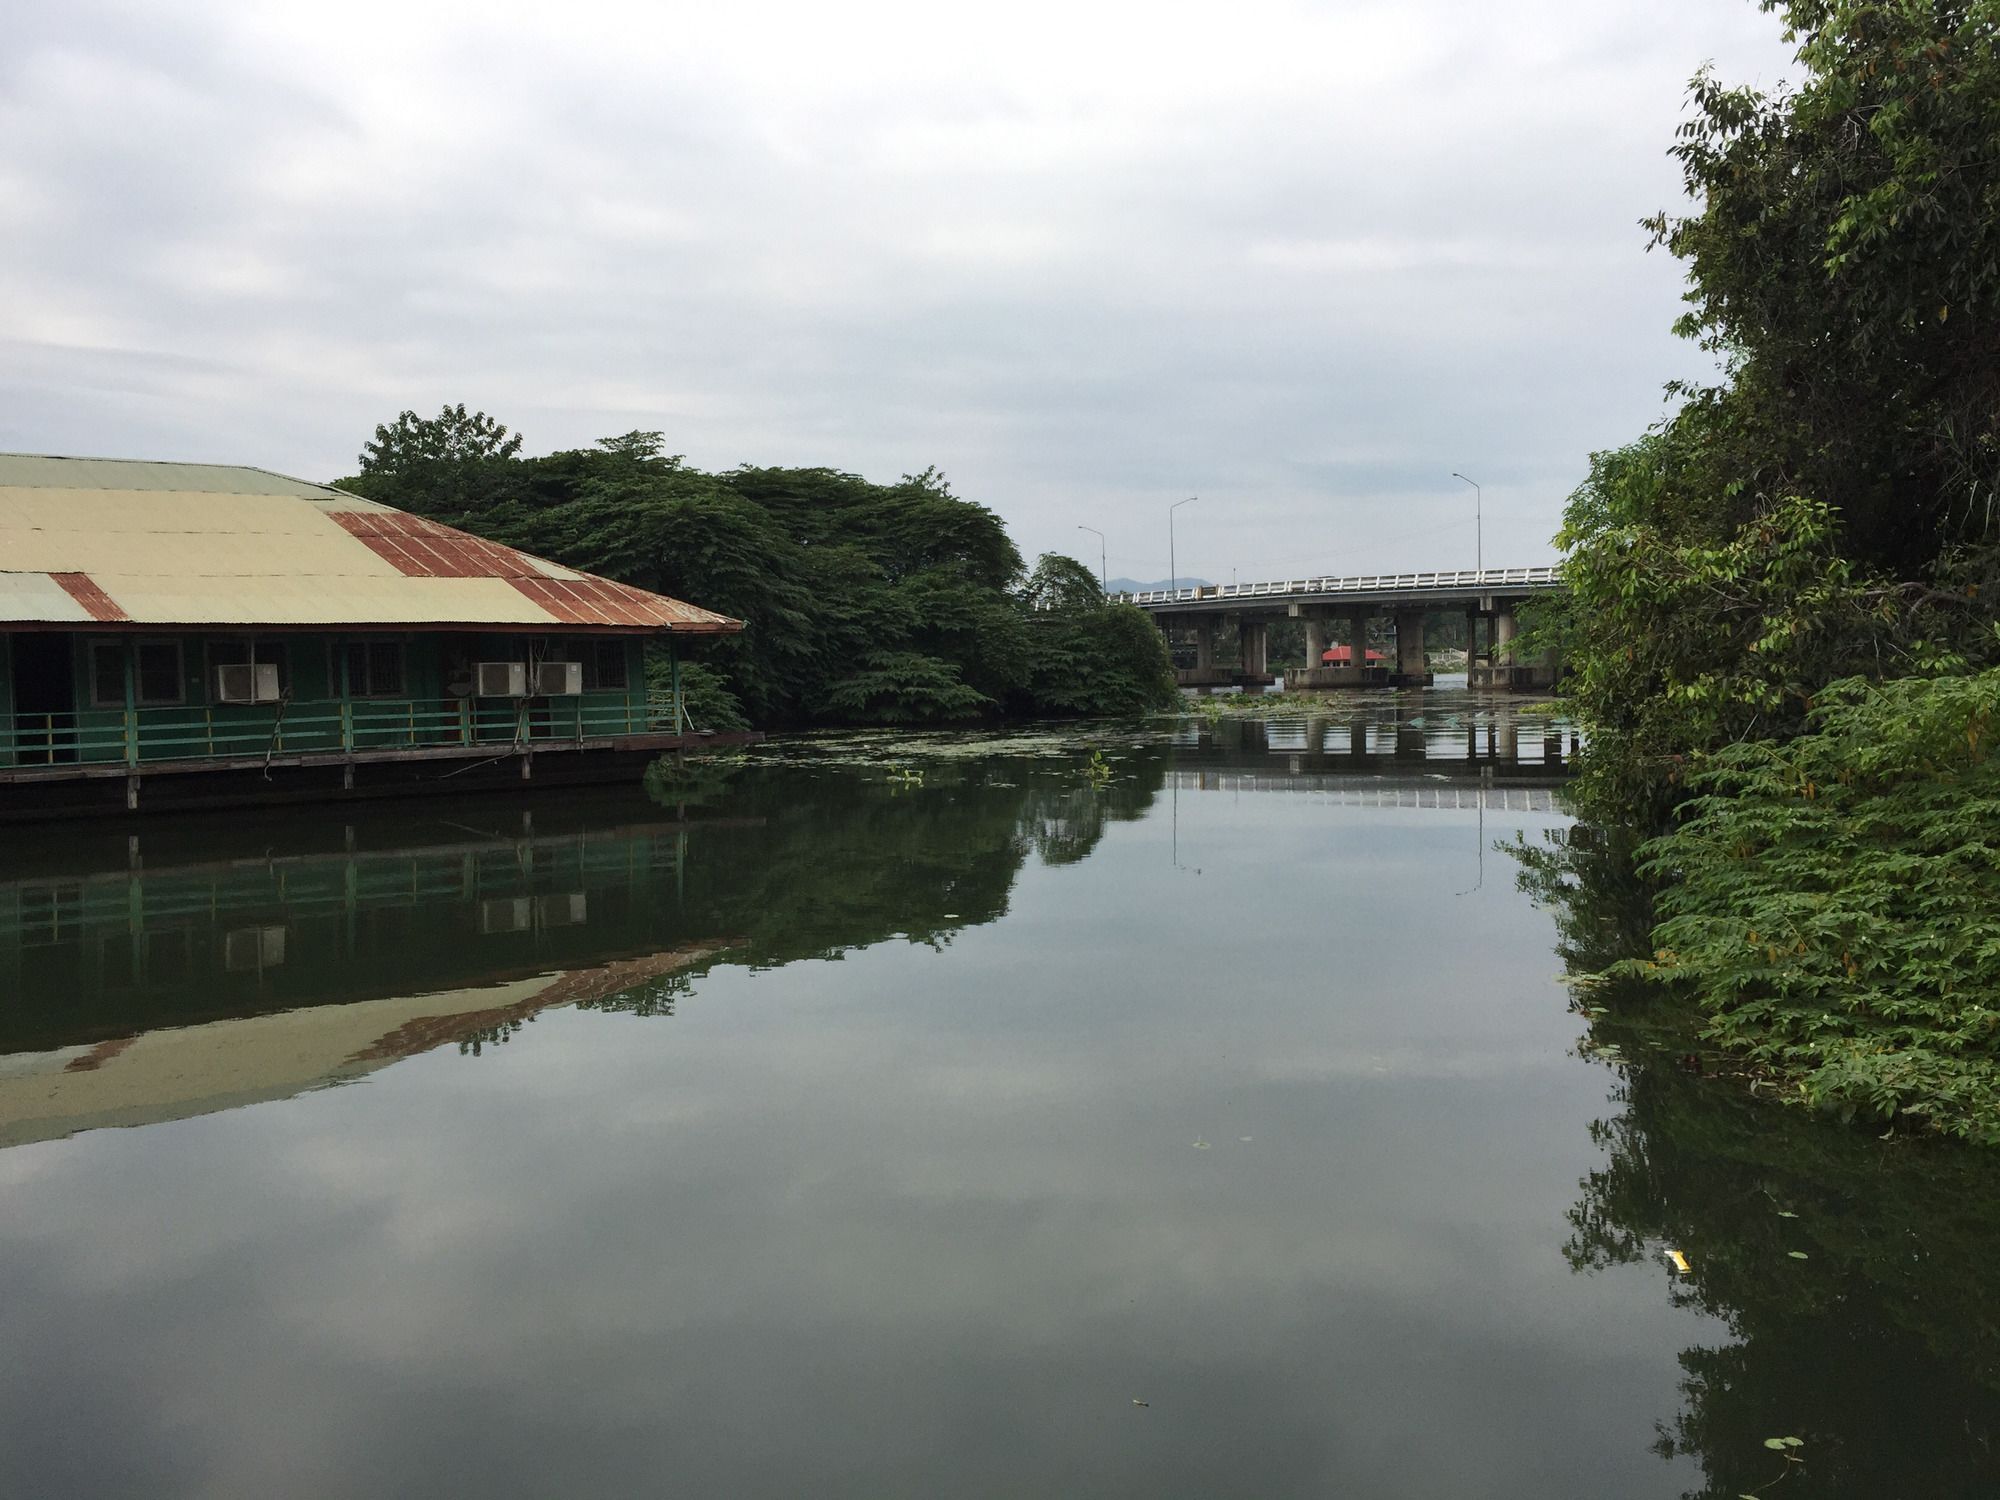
1085, 259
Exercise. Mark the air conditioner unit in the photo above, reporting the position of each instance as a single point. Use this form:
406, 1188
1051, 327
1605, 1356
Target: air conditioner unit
558, 679
247, 683
506, 914
249, 950
500, 679
568, 910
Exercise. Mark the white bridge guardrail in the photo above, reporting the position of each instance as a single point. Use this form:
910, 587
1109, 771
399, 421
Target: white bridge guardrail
1363, 583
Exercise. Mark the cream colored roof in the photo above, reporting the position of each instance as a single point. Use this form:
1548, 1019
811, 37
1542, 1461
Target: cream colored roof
111, 541
176, 1073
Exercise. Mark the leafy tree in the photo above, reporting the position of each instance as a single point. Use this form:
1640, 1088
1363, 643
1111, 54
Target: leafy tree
863, 603
445, 464
1822, 513
1088, 656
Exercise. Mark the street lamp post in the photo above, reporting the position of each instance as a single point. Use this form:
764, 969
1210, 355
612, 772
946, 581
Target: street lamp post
1478, 524
1100, 557
1173, 563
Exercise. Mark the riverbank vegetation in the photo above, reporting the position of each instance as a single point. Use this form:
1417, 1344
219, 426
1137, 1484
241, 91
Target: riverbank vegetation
863, 603
1781, 611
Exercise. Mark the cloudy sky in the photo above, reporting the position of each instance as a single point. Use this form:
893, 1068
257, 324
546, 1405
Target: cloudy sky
1300, 260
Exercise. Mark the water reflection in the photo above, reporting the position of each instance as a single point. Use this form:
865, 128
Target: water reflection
838, 1126
193, 976
1855, 1274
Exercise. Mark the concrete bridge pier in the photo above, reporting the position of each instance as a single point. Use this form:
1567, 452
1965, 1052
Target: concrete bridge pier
1254, 637
1315, 640
1412, 666
1204, 643
1357, 646
1503, 643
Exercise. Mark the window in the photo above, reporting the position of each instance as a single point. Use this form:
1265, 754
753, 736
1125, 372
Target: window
374, 668
603, 665
107, 674
157, 672
242, 653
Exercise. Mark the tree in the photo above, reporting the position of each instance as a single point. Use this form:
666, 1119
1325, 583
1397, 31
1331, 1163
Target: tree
447, 465
1061, 584
863, 603
1828, 506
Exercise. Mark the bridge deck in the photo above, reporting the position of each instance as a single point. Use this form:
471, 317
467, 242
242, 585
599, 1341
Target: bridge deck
1356, 588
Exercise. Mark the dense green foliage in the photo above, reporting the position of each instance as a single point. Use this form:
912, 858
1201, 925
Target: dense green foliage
1835, 899
1850, 1272
1823, 511
862, 603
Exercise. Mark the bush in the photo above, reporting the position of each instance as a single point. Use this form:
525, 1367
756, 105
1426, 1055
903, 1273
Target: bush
1833, 902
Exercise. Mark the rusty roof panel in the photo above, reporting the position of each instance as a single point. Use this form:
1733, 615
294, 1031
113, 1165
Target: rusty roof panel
86, 593
597, 601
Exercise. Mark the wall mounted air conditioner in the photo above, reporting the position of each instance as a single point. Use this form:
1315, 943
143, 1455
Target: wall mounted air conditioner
500, 679
247, 683
567, 910
558, 679
506, 914
249, 950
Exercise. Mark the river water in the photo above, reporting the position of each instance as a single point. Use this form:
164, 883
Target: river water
1191, 1111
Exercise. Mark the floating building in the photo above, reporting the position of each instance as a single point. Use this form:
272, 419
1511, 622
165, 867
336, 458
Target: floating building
187, 633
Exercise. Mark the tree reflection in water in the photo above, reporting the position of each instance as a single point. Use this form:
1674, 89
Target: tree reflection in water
1859, 1277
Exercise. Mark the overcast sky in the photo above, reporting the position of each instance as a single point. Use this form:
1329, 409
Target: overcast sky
1300, 260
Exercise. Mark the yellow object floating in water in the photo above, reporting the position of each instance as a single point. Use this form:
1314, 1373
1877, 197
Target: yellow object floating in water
1680, 1261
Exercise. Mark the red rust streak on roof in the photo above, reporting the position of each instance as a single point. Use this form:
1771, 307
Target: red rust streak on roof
101, 606
420, 548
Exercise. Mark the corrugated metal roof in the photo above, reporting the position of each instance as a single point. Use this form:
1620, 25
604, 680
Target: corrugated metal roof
162, 544
52, 471
36, 596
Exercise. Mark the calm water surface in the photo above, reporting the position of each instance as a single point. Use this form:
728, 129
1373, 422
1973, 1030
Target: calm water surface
886, 1118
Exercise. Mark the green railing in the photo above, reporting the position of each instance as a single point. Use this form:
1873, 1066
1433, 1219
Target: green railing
357, 726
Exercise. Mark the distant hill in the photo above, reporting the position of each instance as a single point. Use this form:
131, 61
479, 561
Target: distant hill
1134, 585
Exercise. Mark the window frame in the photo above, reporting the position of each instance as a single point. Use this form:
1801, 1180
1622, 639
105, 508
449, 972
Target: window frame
117, 646
366, 646
595, 650
139, 698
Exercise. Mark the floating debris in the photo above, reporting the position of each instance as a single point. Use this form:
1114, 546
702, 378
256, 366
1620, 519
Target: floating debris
1680, 1261
1200, 1144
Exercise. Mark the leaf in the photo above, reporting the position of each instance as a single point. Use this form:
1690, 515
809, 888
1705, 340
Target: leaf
1798, 1255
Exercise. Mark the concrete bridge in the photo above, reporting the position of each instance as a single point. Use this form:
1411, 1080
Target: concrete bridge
1488, 595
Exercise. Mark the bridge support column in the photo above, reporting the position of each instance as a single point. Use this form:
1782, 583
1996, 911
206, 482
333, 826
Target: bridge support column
1472, 664
1503, 646
1254, 636
1204, 642
1357, 648
1315, 643
1412, 666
